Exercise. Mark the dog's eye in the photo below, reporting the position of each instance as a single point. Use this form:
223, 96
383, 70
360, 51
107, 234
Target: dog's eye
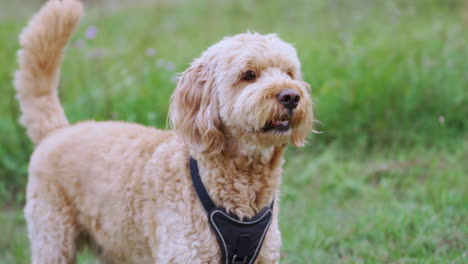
249, 76
291, 74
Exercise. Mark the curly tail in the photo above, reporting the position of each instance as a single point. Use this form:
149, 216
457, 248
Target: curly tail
42, 44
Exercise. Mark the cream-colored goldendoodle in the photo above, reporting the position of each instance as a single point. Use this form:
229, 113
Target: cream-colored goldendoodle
125, 188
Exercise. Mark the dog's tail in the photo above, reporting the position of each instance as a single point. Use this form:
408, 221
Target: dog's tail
42, 44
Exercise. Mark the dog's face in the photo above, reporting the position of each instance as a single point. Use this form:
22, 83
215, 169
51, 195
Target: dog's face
247, 89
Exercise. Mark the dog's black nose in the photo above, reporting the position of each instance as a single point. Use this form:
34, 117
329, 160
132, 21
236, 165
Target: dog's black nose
289, 98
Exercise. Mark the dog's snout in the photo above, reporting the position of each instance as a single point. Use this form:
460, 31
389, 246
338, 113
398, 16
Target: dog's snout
289, 98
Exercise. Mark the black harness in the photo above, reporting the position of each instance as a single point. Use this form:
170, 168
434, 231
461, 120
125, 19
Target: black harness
240, 240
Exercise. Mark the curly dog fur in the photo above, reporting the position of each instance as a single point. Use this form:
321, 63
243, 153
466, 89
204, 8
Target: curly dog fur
126, 188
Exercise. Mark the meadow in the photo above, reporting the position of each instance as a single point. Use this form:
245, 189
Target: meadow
385, 180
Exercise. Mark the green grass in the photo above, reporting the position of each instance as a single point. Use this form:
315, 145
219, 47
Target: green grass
403, 207
14, 246
386, 181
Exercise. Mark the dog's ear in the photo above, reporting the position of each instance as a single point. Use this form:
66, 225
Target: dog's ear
194, 110
299, 135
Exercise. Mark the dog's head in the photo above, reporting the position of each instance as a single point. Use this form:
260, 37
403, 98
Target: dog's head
246, 89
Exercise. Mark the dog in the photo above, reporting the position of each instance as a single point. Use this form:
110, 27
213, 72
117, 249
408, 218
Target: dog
125, 188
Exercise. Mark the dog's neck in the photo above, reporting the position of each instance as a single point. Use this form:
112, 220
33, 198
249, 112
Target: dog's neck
242, 182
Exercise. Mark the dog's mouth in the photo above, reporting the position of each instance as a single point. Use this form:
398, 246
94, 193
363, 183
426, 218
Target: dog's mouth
277, 126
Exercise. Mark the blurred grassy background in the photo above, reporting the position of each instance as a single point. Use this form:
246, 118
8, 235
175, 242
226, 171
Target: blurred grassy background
386, 181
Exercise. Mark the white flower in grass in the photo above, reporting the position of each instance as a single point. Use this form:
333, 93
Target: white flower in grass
167, 65
150, 52
441, 120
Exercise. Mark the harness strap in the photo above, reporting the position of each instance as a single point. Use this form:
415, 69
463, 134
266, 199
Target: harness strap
199, 187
